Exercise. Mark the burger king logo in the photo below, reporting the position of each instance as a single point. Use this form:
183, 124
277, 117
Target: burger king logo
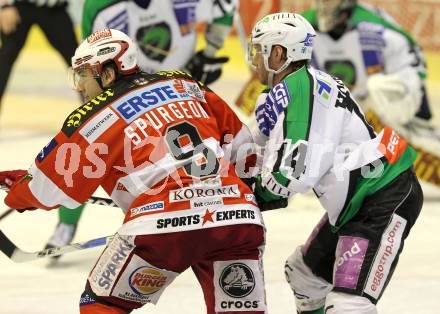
146, 280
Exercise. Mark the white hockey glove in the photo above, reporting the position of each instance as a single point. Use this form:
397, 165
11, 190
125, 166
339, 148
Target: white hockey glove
204, 68
392, 99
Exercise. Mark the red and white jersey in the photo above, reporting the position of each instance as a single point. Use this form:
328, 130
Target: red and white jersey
165, 148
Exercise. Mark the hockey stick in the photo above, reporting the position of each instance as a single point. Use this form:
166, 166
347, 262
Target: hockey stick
92, 200
7, 213
19, 256
9, 210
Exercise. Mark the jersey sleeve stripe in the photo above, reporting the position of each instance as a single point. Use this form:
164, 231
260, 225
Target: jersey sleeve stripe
47, 192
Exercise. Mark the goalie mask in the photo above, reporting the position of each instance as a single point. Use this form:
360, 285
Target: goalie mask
329, 12
289, 30
100, 48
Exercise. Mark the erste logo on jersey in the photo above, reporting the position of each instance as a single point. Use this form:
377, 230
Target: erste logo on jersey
144, 99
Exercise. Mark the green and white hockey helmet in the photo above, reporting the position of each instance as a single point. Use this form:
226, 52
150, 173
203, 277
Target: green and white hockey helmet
104, 46
329, 12
289, 30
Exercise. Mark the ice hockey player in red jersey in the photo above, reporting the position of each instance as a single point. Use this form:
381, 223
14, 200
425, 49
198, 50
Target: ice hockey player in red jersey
168, 151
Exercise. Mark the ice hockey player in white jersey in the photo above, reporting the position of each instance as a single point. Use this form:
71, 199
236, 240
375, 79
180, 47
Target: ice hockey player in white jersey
371, 53
385, 70
314, 136
383, 67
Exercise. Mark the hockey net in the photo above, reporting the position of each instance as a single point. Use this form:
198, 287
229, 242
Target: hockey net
420, 17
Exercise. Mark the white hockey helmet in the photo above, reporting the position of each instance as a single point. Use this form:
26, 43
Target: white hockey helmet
289, 30
104, 46
329, 11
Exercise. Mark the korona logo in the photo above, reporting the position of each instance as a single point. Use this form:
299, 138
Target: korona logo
190, 193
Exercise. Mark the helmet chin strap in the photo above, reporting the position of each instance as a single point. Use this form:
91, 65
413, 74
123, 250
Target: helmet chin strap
271, 72
270, 76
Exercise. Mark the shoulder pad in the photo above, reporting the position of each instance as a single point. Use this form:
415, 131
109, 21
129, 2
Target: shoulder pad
172, 74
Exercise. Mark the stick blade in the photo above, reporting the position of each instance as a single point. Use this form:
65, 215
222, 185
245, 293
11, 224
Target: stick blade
6, 245
19, 256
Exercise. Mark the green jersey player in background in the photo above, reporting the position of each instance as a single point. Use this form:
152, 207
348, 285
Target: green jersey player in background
313, 135
385, 70
383, 67
164, 32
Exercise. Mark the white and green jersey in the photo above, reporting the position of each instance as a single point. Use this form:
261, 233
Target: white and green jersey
372, 43
315, 136
164, 31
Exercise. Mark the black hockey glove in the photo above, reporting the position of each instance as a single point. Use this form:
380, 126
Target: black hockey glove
205, 69
264, 205
281, 203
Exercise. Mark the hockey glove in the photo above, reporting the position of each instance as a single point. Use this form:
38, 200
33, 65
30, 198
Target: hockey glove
264, 206
205, 69
8, 178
